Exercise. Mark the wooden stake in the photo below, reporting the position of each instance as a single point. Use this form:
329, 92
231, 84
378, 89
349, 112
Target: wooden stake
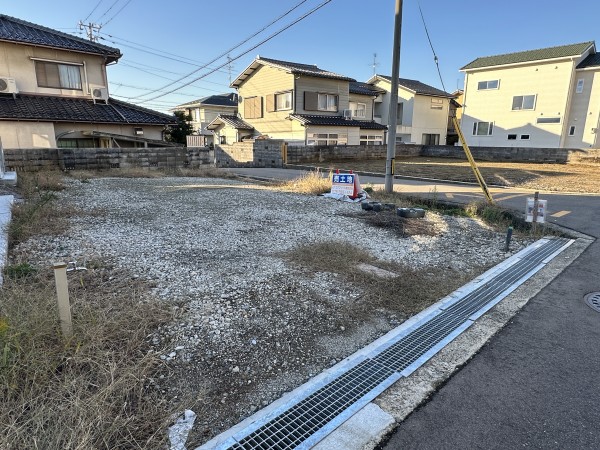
62, 292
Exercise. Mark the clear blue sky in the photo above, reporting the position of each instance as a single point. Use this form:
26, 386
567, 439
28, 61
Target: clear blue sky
342, 36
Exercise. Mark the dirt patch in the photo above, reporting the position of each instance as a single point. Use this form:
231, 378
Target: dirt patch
262, 283
573, 177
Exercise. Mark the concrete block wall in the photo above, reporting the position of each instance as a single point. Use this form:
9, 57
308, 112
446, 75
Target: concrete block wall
322, 153
259, 153
30, 160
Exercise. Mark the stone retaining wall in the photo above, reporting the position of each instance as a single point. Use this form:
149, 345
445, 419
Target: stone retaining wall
259, 153
33, 159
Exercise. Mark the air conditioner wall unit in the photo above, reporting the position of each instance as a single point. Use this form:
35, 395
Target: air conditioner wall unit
99, 93
8, 85
347, 114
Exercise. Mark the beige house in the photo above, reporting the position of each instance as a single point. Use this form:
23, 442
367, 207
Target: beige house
422, 110
546, 98
54, 93
204, 110
304, 105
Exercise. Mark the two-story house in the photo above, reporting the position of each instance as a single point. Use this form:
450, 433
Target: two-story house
422, 110
204, 110
301, 104
54, 93
546, 98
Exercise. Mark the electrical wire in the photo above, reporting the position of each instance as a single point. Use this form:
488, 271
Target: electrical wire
435, 58
254, 47
239, 44
150, 72
108, 10
95, 7
117, 13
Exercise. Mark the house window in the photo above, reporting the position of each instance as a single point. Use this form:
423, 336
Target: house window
253, 108
377, 107
579, 88
59, 76
326, 139
437, 103
572, 130
523, 102
525, 137
512, 137
358, 109
491, 84
548, 120
483, 128
327, 102
430, 139
367, 139
283, 101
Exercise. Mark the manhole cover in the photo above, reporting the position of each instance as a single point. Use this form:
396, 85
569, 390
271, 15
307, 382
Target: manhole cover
593, 301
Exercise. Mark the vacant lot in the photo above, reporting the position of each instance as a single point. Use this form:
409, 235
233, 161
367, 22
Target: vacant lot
576, 177
262, 285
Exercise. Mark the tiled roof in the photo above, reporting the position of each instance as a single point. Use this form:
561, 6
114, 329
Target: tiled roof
233, 121
216, 100
530, 55
67, 109
336, 121
17, 30
591, 61
417, 87
296, 68
356, 87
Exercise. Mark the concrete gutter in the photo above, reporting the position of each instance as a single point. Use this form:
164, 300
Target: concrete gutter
6, 202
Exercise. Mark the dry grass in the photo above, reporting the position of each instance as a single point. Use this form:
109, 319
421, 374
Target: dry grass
38, 213
87, 392
141, 172
407, 294
310, 183
389, 220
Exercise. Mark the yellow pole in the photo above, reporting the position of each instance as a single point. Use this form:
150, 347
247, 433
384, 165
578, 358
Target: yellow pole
476, 171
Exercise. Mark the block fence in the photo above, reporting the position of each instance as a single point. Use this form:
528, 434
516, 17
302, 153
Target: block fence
34, 159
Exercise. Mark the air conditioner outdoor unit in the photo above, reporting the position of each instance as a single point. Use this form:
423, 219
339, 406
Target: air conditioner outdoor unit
99, 93
8, 86
347, 114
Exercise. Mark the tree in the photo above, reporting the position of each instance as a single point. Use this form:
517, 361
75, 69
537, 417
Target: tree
177, 133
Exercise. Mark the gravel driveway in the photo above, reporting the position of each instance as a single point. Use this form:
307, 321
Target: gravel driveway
252, 324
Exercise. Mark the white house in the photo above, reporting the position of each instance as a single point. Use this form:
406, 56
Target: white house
422, 110
545, 98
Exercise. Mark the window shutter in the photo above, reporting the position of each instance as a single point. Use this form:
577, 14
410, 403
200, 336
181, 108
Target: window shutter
270, 102
258, 108
248, 104
311, 101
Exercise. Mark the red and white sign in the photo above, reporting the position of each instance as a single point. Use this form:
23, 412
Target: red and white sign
345, 184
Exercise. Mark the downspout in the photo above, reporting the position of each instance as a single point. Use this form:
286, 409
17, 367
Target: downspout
563, 133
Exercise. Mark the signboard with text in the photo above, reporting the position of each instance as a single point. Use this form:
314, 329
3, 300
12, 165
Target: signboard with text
541, 215
343, 184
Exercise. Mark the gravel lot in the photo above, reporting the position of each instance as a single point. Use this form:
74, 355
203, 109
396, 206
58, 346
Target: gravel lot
252, 324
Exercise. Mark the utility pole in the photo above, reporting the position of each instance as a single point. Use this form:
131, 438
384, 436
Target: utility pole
393, 113
229, 68
90, 28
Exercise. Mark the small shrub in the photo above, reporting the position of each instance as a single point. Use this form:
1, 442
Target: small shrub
17, 271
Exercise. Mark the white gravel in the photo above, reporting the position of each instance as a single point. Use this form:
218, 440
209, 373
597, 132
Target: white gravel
252, 326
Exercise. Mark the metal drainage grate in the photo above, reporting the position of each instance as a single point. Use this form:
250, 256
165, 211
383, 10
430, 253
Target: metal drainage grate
593, 301
302, 420
298, 423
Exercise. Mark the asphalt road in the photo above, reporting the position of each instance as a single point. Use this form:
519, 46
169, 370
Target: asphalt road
536, 384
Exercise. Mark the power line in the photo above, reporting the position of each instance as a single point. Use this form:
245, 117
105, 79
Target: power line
95, 7
151, 89
435, 58
226, 52
108, 10
254, 47
162, 76
117, 13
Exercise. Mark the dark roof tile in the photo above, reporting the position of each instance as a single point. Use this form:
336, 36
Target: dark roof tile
68, 109
356, 87
216, 100
418, 87
591, 61
529, 55
336, 121
17, 30
304, 69
233, 121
